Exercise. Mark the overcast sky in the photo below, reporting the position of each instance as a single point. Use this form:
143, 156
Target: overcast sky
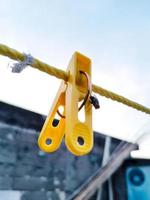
114, 34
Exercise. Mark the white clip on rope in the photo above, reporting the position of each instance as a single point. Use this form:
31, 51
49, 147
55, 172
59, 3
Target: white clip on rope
20, 66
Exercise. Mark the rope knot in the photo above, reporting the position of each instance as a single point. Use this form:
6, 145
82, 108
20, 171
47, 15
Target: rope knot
21, 65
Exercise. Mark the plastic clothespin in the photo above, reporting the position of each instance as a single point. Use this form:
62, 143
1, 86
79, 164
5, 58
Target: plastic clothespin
78, 135
52, 134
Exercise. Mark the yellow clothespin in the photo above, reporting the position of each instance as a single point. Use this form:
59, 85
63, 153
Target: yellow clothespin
78, 135
51, 134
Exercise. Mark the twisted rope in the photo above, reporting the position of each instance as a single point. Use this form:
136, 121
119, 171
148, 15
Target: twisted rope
53, 71
16, 55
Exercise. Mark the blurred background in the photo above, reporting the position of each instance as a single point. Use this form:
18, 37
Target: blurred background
113, 34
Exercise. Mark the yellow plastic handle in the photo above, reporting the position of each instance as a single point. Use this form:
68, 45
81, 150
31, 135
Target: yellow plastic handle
52, 134
78, 135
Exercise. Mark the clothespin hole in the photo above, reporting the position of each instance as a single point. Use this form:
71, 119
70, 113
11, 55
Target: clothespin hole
81, 113
60, 112
48, 141
58, 116
80, 141
61, 109
55, 122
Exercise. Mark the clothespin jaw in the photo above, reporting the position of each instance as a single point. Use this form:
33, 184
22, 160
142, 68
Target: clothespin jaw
78, 135
52, 134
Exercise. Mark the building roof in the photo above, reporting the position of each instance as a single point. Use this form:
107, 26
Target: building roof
24, 168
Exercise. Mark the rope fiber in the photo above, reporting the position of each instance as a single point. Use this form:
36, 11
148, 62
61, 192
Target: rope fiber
53, 71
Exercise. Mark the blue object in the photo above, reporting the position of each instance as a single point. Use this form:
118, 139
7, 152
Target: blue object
138, 183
